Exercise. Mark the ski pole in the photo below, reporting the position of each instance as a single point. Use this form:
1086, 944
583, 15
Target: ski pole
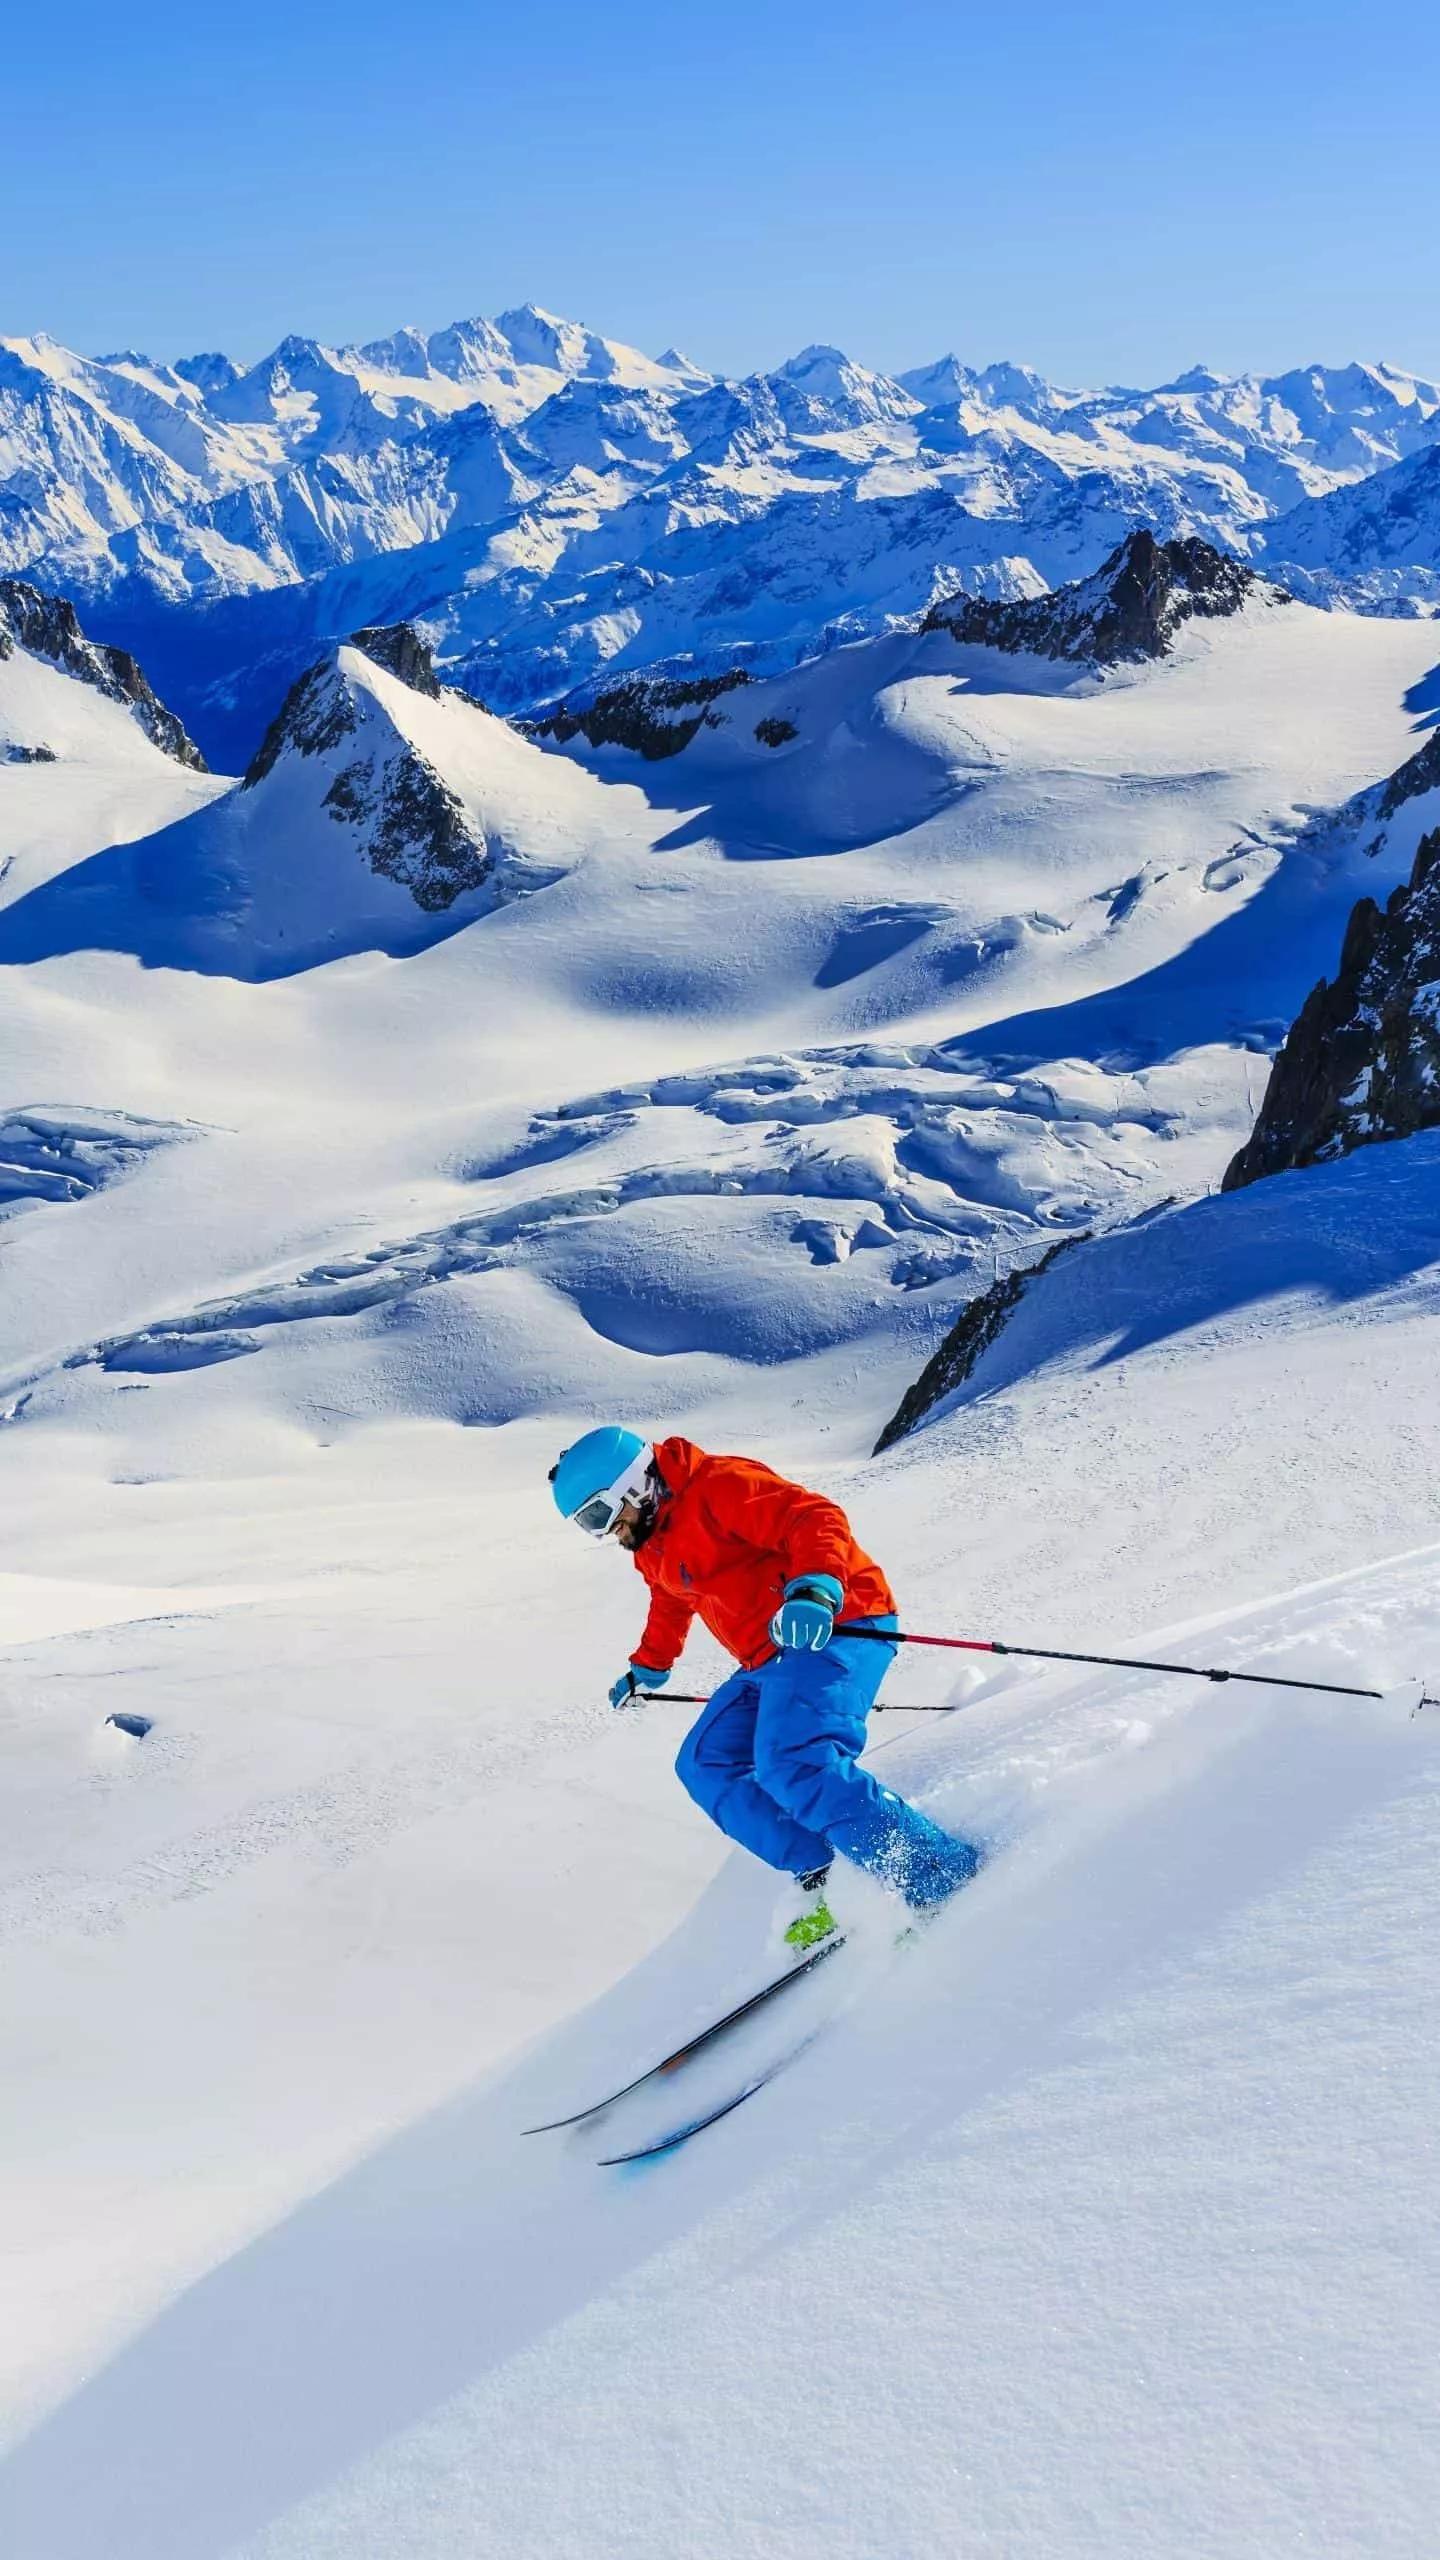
882, 1706
1116, 1662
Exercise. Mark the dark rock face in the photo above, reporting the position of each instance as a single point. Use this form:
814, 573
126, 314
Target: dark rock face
416, 832
316, 713
1421, 773
47, 626
1362, 1059
775, 733
401, 651
410, 827
1129, 610
640, 714
964, 1345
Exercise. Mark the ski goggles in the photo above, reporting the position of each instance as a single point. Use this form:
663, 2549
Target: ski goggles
598, 1515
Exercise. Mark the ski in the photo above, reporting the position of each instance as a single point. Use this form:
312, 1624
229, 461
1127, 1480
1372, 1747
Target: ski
707, 2036
686, 2132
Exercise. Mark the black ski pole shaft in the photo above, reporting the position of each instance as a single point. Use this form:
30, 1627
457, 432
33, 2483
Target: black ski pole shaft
1109, 1661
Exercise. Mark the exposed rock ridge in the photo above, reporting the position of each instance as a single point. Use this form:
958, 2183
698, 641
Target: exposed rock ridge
1420, 773
966, 1342
1130, 609
411, 827
640, 714
398, 647
414, 829
1362, 1058
315, 715
48, 627
318, 711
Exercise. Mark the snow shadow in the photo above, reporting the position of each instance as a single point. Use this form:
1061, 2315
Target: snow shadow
459, 2244
1341, 1233
1423, 699
169, 904
1243, 980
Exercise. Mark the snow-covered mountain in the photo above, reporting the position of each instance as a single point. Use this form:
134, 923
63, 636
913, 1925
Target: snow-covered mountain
88, 755
1373, 545
379, 812
45, 628
1361, 1062
556, 506
338, 1180
906, 962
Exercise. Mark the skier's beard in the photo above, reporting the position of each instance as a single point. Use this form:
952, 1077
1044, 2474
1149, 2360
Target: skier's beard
647, 1513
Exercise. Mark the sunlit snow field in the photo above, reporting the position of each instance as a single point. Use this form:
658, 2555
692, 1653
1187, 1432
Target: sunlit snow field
1100, 2222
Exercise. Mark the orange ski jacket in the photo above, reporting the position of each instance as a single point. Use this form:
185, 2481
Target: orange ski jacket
729, 1536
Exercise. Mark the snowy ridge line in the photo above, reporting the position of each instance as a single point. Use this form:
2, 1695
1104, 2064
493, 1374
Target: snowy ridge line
759, 519
1183, 1630
1291, 1621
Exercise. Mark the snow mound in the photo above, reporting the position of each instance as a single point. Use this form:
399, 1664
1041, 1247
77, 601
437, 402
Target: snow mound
67, 1155
378, 814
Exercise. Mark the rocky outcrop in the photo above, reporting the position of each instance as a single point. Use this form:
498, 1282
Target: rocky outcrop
48, 627
415, 831
319, 709
316, 714
968, 1339
1362, 1059
1131, 609
655, 716
1420, 773
411, 827
398, 647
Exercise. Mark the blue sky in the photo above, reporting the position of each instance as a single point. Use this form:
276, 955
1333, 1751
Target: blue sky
1110, 192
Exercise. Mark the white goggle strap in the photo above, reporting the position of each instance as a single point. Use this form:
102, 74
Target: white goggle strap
628, 1485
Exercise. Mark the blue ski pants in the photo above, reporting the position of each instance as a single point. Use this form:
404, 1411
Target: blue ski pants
774, 1761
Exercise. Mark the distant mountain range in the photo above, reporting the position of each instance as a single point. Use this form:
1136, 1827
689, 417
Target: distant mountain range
558, 510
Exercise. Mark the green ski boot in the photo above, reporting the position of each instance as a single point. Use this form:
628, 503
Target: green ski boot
815, 1920
811, 1927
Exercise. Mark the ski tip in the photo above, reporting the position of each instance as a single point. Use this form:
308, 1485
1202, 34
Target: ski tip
685, 2132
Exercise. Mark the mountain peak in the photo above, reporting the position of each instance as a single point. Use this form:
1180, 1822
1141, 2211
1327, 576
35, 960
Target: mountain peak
399, 649
48, 627
1129, 610
822, 389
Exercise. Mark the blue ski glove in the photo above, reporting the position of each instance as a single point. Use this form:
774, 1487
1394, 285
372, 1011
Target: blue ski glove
638, 1678
806, 1615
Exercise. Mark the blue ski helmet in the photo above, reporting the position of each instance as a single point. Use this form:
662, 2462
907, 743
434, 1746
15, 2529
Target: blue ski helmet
598, 1476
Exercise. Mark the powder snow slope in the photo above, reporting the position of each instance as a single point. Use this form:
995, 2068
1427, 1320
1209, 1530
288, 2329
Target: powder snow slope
1114, 2192
716, 1131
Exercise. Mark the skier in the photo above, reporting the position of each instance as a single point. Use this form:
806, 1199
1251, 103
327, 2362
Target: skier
776, 1575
